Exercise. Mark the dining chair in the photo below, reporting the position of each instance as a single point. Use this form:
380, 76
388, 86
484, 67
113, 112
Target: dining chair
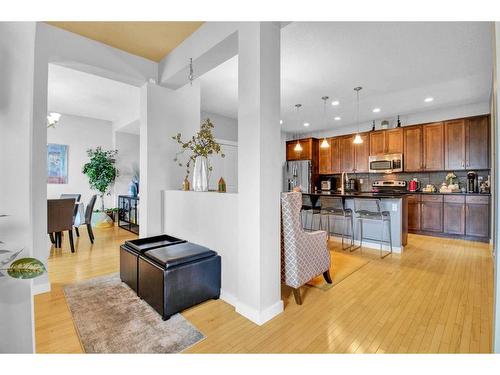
60, 218
88, 217
77, 198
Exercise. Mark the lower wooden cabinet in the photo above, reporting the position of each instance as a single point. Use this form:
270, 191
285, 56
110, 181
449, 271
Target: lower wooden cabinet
453, 215
432, 213
477, 216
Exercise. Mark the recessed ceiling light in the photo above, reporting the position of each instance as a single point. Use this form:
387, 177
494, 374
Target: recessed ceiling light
337, 118
429, 99
335, 102
281, 122
376, 110
306, 124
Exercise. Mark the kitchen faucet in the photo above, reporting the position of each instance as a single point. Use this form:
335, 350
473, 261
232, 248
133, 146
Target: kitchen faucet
342, 189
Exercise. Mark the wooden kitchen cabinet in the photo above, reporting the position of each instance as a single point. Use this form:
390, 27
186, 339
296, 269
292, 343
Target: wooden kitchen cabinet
477, 146
432, 213
325, 158
413, 144
394, 141
477, 216
454, 144
347, 157
454, 214
414, 212
308, 149
433, 146
335, 146
362, 153
386, 142
377, 143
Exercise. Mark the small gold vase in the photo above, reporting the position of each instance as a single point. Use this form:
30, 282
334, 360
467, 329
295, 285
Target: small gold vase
222, 186
185, 185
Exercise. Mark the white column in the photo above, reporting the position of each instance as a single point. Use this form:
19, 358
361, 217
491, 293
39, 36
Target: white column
259, 171
163, 114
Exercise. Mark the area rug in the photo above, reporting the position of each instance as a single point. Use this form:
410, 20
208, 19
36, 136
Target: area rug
110, 318
343, 265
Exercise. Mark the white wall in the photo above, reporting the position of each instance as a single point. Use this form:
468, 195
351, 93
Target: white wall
17, 43
406, 120
80, 134
127, 160
226, 128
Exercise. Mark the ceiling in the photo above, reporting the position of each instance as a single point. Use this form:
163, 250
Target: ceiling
83, 94
152, 40
397, 64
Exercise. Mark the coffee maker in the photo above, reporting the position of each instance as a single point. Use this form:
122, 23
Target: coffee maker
472, 183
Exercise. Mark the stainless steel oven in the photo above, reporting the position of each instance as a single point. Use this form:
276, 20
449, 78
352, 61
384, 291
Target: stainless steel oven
388, 163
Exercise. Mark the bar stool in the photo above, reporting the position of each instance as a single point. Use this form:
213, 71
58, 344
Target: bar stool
309, 208
369, 209
334, 206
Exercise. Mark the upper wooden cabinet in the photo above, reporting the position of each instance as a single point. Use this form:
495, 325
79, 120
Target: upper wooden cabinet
454, 144
361, 154
347, 157
433, 154
335, 146
477, 142
394, 141
386, 141
325, 158
307, 152
466, 144
413, 145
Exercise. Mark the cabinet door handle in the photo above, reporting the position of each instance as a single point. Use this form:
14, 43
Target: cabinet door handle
462, 164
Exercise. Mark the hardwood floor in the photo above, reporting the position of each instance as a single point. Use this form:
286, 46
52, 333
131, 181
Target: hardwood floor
436, 298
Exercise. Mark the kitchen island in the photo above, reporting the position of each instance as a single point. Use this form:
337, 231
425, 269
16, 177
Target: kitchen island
395, 204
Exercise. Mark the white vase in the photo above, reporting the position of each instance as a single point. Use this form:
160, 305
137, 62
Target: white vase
200, 174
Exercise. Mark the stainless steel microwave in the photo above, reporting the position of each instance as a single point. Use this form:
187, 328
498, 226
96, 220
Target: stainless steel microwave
388, 163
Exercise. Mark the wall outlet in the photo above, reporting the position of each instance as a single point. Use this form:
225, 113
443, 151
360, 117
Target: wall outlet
394, 207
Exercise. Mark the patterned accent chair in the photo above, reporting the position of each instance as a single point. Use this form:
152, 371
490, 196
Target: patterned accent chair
304, 255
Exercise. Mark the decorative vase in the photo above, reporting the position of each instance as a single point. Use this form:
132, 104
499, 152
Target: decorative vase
222, 186
200, 174
185, 185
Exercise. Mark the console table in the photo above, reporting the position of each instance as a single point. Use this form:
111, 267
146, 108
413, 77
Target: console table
128, 215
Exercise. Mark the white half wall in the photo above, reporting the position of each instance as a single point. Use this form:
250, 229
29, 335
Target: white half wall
17, 47
127, 161
80, 134
226, 128
211, 220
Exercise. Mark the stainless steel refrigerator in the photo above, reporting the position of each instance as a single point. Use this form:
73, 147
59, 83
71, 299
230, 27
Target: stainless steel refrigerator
297, 173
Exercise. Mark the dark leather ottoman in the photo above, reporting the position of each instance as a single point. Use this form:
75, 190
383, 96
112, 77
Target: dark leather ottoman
129, 255
174, 278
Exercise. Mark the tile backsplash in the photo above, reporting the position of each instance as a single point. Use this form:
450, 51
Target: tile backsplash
425, 178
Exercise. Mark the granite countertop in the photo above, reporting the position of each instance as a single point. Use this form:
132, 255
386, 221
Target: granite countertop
387, 195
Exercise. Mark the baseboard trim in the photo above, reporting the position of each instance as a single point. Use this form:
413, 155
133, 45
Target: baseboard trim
370, 245
259, 317
229, 298
40, 288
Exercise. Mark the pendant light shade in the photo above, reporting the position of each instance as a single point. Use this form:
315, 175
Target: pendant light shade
324, 143
357, 139
298, 146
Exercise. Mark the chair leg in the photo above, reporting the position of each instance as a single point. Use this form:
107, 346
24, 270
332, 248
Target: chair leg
52, 239
296, 294
77, 231
352, 232
327, 277
71, 243
390, 240
58, 240
91, 234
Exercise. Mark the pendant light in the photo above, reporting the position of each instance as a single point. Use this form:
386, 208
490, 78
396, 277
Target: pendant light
298, 146
357, 139
324, 143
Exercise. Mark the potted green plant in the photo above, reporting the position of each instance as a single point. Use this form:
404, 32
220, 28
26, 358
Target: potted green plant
101, 172
199, 148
